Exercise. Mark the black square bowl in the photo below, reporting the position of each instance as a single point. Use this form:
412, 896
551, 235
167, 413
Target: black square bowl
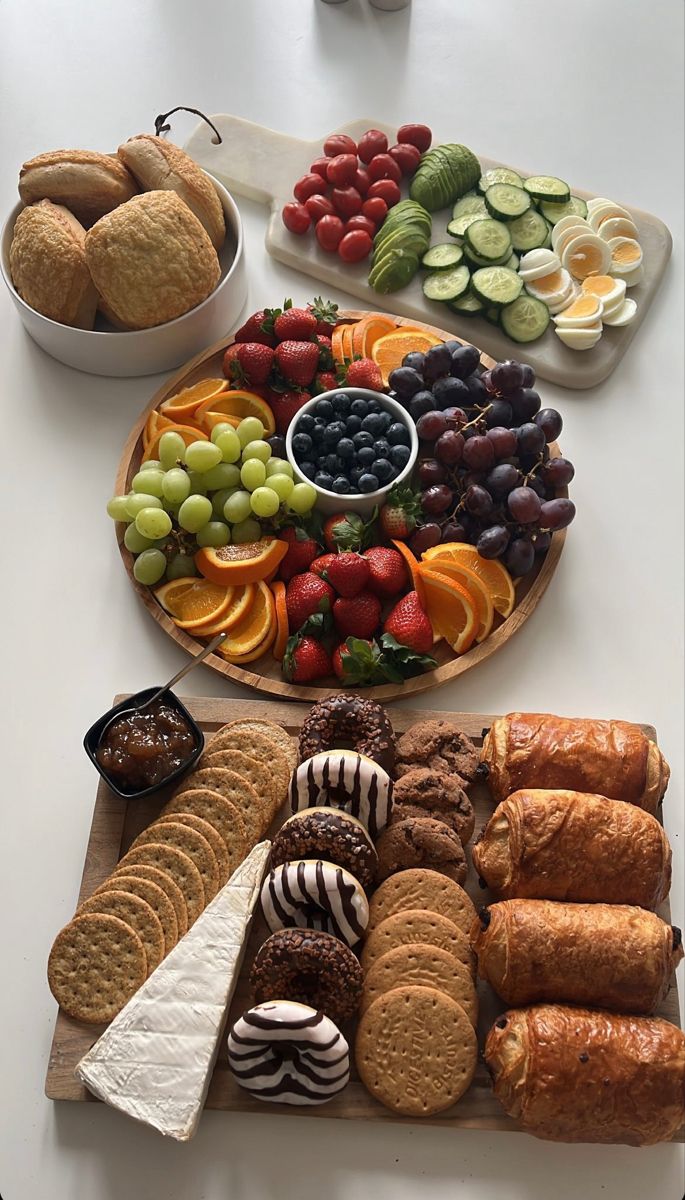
92, 740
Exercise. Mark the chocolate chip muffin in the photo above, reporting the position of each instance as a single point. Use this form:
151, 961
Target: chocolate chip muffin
423, 792
421, 842
441, 746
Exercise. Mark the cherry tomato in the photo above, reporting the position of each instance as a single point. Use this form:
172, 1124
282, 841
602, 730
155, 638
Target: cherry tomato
355, 246
342, 170
319, 167
361, 181
339, 143
375, 209
371, 143
329, 231
416, 135
318, 207
346, 201
308, 186
296, 218
387, 189
384, 167
360, 222
406, 156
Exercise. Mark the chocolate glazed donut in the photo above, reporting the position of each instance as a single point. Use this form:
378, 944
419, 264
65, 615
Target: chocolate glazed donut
346, 721
310, 967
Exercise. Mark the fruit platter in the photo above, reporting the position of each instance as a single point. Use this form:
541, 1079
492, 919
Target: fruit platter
351, 498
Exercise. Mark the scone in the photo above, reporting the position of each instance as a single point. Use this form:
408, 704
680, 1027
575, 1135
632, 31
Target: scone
87, 183
161, 165
48, 265
151, 260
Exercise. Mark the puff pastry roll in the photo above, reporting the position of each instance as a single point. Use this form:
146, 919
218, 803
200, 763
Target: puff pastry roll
562, 845
603, 955
610, 758
576, 1075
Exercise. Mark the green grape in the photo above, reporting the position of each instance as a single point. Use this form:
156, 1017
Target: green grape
198, 487
282, 485
252, 474
181, 567
237, 507
136, 501
246, 531
264, 502
221, 427
223, 475
171, 449
153, 523
117, 510
229, 445
260, 450
134, 541
278, 466
250, 429
202, 456
152, 464
302, 498
214, 533
195, 512
149, 566
176, 485
219, 499
149, 483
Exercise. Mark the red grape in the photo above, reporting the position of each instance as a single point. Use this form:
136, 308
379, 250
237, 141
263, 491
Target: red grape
329, 231
525, 404
454, 531
416, 135
456, 417
308, 186
431, 425
503, 441
339, 143
479, 453
355, 246
503, 479
371, 143
319, 167
531, 439
478, 501
550, 422
520, 556
493, 541
524, 505
430, 472
387, 189
557, 514
318, 207
507, 376
342, 170
406, 156
542, 542
375, 209
499, 413
346, 201
436, 499
382, 166
528, 376
558, 472
449, 447
296, 218
425, 537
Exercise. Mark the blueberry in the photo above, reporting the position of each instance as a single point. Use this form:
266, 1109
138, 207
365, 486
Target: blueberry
399, 456
421, 403
359, 407
415, 359
336, 430
353, 424
355, 475
464, 361
363, 438
320, 461
302, 444
341, 403
386, 420
322, 480
318, 434
405, 381
345, 449
368, 482
366, 456
341, 485
397, 434
382, 469
307, 469
438, 362
331, 464
374, 406
305, 423
324, 409
450, 392
373, 424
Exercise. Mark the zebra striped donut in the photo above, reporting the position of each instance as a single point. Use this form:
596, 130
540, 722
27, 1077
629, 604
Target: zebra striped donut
288, 1053
314, 894
347, 780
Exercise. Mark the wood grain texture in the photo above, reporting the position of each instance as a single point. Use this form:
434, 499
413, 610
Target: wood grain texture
116, 823
265, 673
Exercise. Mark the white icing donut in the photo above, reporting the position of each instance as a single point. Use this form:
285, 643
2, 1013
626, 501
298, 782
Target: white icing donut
288, 1053
314, 894
347, 780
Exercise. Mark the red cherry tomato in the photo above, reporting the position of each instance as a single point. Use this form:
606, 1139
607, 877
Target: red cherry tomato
361, 181
387, 189
309, 185
360, 222
371, 143
318, 207
375, 209
406, 156
319, 167
416, 135
329, 231
342, 170
296, 218
339, 143
355, 246
384, 167
346, 201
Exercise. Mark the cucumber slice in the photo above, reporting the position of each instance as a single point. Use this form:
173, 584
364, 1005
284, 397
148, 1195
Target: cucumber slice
439, 258
446, 285
476, 260
471, 203
504, 201
549, 188
529, 231
492, 316
499, 175
468, 305
512, 262
575, 207
490, 239
496, 286
525, 320
458, 225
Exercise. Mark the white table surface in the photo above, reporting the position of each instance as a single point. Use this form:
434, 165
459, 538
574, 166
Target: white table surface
589, 91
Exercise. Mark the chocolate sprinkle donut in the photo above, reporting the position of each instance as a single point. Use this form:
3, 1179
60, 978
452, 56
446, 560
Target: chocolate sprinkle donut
310, 967
331, 834
348, 722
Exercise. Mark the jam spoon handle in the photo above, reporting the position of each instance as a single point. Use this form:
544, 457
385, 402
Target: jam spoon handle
194, 662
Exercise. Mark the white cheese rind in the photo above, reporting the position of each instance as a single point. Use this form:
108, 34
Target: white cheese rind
155, 1060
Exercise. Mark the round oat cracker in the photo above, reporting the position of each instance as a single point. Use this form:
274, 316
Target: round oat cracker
256, 745
173, 833
224, 816
153, 895
237, 790
270, 729
177, 864
257, 775
417, 925
135, 912
416, 1050
422, 966
209, 832
96, 964
165, 882
419, 887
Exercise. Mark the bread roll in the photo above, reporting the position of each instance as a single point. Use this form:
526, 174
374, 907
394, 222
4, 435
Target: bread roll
160, 165
576, 1075
554, 845
603, 955
151, 260
48, 265
87, 183
610, 758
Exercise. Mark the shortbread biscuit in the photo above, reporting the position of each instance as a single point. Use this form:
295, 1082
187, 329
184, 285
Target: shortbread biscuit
417, 925
89, 184
422, 966
422, 888
48, 265
135, 912
192, 843
96, 964
158, 164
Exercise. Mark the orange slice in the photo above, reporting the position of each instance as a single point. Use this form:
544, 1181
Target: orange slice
253, 628
246, 563
187, 432
259, 651
496, 578
413, 564
153, 425
281, 638
239, 602
185, 402
475, 587
193, 602
369, 330
210, 419
237, 403
389, 350
337, 343
452, 611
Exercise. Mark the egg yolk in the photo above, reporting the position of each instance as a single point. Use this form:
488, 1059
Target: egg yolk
585, 306
549, 283
627, 252
586, 260
599, 285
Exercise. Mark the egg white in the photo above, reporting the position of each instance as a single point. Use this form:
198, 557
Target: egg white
624, 316
575, 246
538, 263
580, 339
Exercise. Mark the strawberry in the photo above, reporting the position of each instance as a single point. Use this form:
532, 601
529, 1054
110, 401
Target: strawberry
295, 325
326, 314
325, 381
387, 572
231, 358
250, 363
358, 661
284, 405
358, 616
398, 515
258, 328
344, 531
409, 625
306, 659
305, 595
326, 360
302, 551
320, 565
298, 362
365, 373
348, 573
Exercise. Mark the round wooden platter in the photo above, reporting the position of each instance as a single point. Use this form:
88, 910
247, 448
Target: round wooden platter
265, 673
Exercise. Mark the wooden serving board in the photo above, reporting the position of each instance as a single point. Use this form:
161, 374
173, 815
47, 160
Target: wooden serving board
262, 164
265, 673
117, 822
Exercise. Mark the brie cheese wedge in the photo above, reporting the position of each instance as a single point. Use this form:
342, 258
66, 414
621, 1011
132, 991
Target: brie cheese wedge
155, 1060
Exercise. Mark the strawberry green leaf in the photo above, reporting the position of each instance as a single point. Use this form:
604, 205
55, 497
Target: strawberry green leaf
405, 660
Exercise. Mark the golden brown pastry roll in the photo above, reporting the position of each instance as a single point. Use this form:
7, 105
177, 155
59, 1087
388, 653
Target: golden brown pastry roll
161, 165
551, 845
87, 183
603, 955
576, 1075
609, 758
48, 265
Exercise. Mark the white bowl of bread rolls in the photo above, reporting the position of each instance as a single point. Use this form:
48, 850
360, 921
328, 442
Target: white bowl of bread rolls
123, 264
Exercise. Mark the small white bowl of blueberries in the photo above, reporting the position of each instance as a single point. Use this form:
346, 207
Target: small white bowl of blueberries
353, 445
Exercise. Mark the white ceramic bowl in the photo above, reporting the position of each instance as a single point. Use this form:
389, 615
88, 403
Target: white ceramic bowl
108, 351
359, 502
